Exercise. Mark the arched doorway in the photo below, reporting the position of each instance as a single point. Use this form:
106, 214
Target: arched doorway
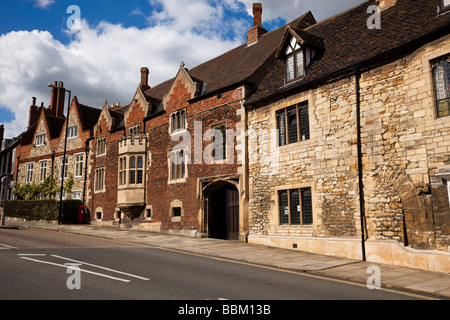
223, 211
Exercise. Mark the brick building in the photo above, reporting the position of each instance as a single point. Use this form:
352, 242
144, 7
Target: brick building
359, 162
174, 158
41, 150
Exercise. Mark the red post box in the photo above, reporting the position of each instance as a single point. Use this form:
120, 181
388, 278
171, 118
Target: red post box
80, 214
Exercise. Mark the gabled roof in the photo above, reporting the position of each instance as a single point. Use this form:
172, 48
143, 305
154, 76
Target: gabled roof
237, 65
348, 42
303, 37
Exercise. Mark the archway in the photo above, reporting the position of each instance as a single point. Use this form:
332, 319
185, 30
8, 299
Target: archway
222, 210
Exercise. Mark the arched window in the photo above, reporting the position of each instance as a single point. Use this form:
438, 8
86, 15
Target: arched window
178, 120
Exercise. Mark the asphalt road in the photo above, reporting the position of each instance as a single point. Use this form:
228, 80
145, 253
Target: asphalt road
34, 264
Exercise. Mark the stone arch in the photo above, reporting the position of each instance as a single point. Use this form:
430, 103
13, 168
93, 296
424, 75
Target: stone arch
221, 214
397, 209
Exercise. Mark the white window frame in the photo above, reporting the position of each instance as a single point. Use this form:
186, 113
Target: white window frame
65, 168
72, 132
29, 172
79, 165
42, 170
40, 140
76, 195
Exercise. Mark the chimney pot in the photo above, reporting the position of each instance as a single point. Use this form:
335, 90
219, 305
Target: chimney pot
257, 31
34, 101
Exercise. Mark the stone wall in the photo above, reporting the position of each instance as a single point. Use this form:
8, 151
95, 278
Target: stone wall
403, 147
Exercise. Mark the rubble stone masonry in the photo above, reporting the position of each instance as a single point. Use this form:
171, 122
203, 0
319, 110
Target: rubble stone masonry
404, 145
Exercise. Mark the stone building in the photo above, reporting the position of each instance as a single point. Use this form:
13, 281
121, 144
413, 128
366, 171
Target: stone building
41, 150
350, 154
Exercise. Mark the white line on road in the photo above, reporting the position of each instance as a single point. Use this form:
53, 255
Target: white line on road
32, 254
100, 267
7, 247
87, 271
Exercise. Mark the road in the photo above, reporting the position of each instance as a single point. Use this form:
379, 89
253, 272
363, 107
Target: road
39, 264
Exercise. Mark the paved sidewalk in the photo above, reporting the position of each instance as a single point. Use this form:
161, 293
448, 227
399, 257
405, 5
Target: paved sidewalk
392, 277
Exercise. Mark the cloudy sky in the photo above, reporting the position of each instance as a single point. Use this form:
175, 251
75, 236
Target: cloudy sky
97, 47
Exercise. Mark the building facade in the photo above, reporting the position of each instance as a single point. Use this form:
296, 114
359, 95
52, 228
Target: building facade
351, 155
40, 153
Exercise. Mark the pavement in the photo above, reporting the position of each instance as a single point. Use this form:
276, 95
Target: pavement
413, 281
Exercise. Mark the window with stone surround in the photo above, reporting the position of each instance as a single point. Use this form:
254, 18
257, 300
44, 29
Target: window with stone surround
122, 171
101, 146
177, 168
293, 124
295, 206
219, 132
177, 121
99, 180
441, 78
136, 170
63, 167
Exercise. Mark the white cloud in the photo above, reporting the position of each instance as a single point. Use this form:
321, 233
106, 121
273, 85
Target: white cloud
103, 62
43, 3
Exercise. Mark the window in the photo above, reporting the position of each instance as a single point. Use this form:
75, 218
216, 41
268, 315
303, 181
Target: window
294, 60
99, 182
72, 132
79, 165
444, 5
176, 211
135, 131
29, 176
293, 124
178, 121
136, 170
219, 151
441, 77
76, 195
178, 163
63, 167
122, 171
295, 207
40, 140
101, 146
42, 170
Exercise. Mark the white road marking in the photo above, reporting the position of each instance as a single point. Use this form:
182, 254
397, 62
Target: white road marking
7, 247
87, 271
100, 267
32, 254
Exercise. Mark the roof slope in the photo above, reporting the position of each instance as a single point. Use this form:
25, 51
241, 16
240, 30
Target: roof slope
237, 65
348, 41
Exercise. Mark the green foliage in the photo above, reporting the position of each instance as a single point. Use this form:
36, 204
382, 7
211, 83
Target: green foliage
45, 190
35, 210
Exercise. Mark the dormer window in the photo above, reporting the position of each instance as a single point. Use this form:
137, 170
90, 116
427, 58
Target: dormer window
444, 5
295, 66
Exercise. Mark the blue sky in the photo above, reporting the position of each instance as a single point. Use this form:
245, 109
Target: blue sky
101, 59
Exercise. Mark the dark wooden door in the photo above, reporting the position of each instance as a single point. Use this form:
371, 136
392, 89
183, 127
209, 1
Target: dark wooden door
232, 207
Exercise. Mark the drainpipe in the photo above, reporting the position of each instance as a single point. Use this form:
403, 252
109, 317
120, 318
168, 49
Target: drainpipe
360, 168
86, 152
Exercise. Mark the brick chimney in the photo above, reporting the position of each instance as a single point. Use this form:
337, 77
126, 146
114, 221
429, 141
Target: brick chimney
57, 100
144, 77
257, 31
33, 114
